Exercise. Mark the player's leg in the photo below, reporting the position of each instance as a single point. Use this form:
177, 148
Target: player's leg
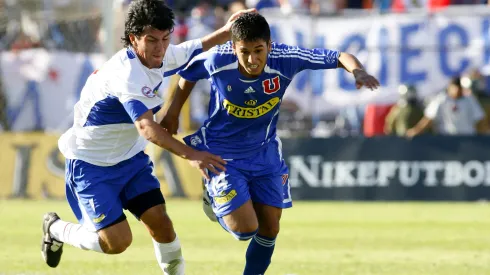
270, 195
144, 199
231, 202
92, 193
207, 203
261, 247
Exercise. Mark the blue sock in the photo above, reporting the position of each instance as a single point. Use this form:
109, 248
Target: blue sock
259, 254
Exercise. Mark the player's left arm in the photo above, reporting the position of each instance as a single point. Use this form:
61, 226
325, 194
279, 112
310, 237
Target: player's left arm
351, 64
296, 59
222, 35
178, 56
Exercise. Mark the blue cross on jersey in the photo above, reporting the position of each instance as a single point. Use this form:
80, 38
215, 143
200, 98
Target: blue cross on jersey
243, 111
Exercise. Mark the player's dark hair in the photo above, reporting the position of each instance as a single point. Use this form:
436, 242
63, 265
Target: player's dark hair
147, 13
250, 27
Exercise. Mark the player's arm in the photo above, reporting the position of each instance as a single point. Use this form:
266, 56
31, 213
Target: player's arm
221, 35
299, 59
351, 64
195, 70
152, 132
180, 94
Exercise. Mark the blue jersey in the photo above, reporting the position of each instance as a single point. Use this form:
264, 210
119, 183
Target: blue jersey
243, 112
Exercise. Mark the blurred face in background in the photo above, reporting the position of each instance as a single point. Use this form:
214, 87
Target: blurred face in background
252, 56
151, 46
455, 91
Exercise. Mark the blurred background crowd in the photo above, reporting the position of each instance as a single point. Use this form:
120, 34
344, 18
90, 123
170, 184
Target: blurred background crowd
461, 108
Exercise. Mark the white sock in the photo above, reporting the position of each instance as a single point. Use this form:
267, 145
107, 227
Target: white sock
75, 235
169, 257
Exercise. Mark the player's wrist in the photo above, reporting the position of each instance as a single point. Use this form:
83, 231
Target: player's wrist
358, 71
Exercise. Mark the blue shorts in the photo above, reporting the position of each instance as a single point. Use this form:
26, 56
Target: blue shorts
263, 178
97, 194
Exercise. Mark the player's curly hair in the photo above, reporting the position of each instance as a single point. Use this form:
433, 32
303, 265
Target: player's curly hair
147, 13
250, 27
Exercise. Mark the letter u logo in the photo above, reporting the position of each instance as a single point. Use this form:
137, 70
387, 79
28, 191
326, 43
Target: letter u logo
270, 88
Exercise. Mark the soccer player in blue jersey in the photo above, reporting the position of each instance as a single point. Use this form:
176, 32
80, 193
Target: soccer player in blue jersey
106, 167
249, 76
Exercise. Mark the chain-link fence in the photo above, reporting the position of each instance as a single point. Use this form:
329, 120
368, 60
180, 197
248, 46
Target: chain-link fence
72, 26
53, 24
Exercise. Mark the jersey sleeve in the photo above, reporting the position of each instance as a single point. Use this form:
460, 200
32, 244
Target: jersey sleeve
197, 68
137, 99
177, 56
295, 59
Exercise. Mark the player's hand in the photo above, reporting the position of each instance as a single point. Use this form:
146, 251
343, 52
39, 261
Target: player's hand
204, 160
234, 17
170, 123
365, 79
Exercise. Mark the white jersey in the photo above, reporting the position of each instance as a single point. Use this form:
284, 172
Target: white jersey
113, 97
454, 116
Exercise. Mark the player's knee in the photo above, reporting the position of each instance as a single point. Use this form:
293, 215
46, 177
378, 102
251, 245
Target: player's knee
270, 229
244, 236
118, 245
244, 231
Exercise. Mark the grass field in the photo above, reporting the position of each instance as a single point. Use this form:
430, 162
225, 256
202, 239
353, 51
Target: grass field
316, 238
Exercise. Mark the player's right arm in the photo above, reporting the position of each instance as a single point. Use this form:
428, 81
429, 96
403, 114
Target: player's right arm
140, 101
195, 70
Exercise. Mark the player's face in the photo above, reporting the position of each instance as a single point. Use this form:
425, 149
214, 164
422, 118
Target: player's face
151, 46
252, 56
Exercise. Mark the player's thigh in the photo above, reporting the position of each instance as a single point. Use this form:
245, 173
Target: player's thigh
142, 192
272, 189
242, 219
143, 197
231, 199
93, 194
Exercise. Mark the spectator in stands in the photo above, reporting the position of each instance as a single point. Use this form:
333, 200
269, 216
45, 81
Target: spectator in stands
405, 114
374, 119
3, 109
476, 84
451, 113
262, 4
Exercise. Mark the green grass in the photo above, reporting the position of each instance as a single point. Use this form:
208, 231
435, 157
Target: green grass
316, 238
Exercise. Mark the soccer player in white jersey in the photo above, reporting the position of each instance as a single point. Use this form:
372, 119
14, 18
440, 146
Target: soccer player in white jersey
249, 77
106, 168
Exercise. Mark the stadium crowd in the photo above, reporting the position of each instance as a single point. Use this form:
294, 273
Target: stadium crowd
26, 24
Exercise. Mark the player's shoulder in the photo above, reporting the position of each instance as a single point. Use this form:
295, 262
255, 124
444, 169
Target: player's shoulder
123, 67
283, 49
216, 57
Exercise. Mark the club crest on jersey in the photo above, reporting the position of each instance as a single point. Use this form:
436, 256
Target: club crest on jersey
148, 92
228, 88
271, 85
251, 102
